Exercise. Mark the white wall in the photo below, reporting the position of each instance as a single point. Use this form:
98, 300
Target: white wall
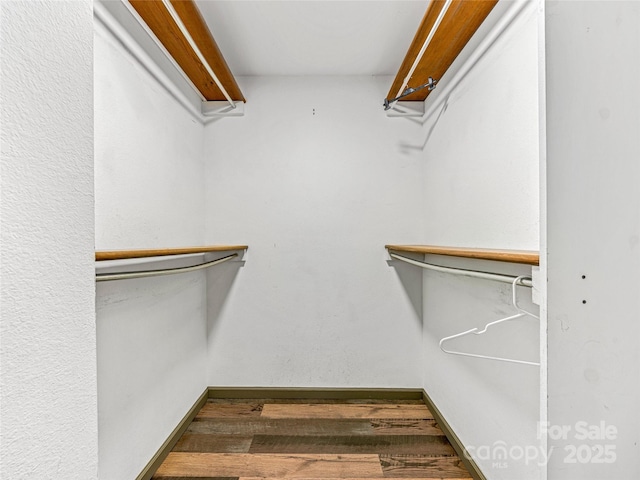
480, 151
149, 183
593, 226
315, 180
149, 193
48, 353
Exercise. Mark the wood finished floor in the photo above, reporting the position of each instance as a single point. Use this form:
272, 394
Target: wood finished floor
312, 440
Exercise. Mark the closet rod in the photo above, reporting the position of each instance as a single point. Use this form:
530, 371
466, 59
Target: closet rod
525, 282
104, 277
194, 46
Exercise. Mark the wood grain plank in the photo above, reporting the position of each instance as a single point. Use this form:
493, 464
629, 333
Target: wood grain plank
405, 427
337, 401
233, 410
433, 445
314, 410
195, 442
234, 440
368, 478
313, 427
402, 466
459, 24
270, 465
313, 395
266, 426
527, 257
162, 252
198, 478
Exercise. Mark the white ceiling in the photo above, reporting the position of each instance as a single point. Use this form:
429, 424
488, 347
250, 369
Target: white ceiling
311, 37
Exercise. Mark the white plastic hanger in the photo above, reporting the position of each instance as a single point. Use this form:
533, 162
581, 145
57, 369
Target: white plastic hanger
521, 313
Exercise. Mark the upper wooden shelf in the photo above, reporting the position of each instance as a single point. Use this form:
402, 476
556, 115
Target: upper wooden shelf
162, 252
460, 22
527, 257
157, 17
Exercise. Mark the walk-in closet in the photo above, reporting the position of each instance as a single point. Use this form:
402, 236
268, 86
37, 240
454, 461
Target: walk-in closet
320, 239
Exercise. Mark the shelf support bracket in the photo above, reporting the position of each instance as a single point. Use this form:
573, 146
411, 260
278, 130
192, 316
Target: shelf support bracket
212, 109
406, 109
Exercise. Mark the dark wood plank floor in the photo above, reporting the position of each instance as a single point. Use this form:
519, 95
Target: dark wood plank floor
312, 440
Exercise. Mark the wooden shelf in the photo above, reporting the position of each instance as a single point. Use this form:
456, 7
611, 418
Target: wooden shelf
161, 252
459, 24
527, 257
160, 22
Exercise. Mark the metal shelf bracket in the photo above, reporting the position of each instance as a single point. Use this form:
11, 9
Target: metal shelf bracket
406, 109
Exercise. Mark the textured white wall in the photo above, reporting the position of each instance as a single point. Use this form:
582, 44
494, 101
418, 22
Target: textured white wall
149, 193
481, 190
593, 173
315, 180
48, 351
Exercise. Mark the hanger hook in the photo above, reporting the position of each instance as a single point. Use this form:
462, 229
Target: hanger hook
476, 331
